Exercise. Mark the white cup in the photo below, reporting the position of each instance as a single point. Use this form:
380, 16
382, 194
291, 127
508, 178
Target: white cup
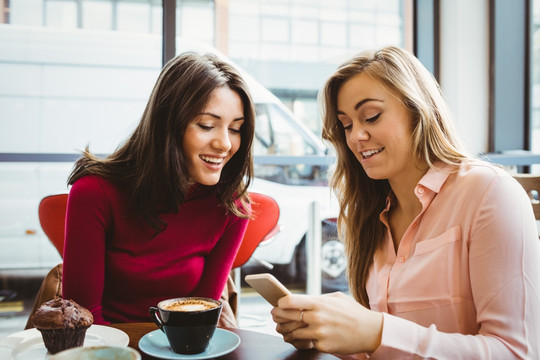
98, 353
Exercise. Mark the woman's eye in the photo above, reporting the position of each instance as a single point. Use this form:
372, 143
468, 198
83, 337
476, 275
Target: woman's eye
374, 118
205, 127
347, 127
236, 131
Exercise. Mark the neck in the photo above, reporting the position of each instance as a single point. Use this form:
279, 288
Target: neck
403, 189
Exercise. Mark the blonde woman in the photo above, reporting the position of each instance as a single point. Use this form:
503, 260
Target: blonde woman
442, 248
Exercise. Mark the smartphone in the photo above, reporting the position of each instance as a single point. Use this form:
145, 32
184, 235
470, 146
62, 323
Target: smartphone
268, 286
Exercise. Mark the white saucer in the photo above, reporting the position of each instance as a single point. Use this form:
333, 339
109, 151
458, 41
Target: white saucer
155, 343
28, 344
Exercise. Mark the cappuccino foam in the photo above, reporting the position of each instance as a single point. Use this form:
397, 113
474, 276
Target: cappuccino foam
189, 305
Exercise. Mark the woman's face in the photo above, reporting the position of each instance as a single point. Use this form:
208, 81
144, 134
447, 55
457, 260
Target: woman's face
213, 137
377, 128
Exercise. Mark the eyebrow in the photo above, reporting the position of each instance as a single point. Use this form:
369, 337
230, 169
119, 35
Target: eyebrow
360, 103
219, 117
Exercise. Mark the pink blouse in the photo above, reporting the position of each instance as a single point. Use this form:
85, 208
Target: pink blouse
465, 281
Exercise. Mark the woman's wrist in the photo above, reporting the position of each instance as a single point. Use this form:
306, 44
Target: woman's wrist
375, 338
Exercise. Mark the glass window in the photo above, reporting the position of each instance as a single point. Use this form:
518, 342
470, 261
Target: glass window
305, 32
334, 13
244, 7
196, 20
273, 7
64, 89
156, 26
237, 30
276, 135
275, 52
362, 36
133, 16
71, 86
26, 12
62, 14
275, 30
299, 10
97, 15
333, 34
307, 110
300, 52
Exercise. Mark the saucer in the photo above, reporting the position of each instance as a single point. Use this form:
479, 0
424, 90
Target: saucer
155, 343
28, 344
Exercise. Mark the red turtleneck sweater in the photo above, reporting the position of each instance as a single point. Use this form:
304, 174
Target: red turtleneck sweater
116, 269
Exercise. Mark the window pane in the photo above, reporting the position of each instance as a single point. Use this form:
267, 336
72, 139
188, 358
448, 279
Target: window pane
197, 21
134, 17
237, 29
26, 12
275, 30
305, 32
333, 34
61, 14
276, 136
97, 14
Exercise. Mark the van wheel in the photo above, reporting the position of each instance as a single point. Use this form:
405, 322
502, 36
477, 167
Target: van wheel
333, 260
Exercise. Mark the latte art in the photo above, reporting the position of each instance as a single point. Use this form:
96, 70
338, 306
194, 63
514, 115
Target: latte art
189, 305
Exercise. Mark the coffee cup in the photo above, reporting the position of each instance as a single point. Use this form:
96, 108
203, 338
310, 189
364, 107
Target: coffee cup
188, 322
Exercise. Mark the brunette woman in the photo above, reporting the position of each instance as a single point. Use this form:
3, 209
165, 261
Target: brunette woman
164, 215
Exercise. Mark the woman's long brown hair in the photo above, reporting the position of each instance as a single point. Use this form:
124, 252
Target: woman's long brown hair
361, 198
150, 165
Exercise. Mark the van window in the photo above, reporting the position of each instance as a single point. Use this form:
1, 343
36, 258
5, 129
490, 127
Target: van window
275, 134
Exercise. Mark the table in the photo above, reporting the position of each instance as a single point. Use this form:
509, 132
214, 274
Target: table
254, 345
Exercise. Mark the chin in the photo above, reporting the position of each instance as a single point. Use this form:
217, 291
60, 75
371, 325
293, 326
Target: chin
374, 175
208, 181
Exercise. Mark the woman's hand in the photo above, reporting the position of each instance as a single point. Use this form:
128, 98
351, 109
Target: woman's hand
286, 325
332, 323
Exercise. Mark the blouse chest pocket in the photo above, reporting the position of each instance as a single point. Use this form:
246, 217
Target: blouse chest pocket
432, 275
443, 240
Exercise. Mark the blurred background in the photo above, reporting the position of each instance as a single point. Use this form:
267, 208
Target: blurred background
77, 73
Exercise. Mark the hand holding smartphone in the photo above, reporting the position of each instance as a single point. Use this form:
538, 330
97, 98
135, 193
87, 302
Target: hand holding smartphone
268, 286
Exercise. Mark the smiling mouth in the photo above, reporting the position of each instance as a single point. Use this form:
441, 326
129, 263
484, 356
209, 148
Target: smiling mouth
212, 160
370, 153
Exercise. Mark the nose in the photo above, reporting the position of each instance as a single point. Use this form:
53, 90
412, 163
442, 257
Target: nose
221, 141
358, 133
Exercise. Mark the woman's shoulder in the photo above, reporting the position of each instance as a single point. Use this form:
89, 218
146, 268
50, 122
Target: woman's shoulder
92, 184
477, 174
476, 169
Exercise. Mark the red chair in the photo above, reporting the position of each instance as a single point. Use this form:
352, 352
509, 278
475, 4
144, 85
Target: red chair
52, 217
262, 226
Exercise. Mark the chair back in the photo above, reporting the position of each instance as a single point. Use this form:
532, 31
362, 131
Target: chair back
52, 217
531, 184
262, 226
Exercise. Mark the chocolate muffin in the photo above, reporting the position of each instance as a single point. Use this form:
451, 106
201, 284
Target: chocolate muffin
62, 323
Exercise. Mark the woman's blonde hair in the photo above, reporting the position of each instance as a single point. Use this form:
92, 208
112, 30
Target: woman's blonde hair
150, 166
361, 198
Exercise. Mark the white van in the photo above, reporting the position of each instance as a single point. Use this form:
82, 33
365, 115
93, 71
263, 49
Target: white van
62, 90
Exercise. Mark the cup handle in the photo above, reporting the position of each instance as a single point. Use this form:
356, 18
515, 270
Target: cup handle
153, 314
